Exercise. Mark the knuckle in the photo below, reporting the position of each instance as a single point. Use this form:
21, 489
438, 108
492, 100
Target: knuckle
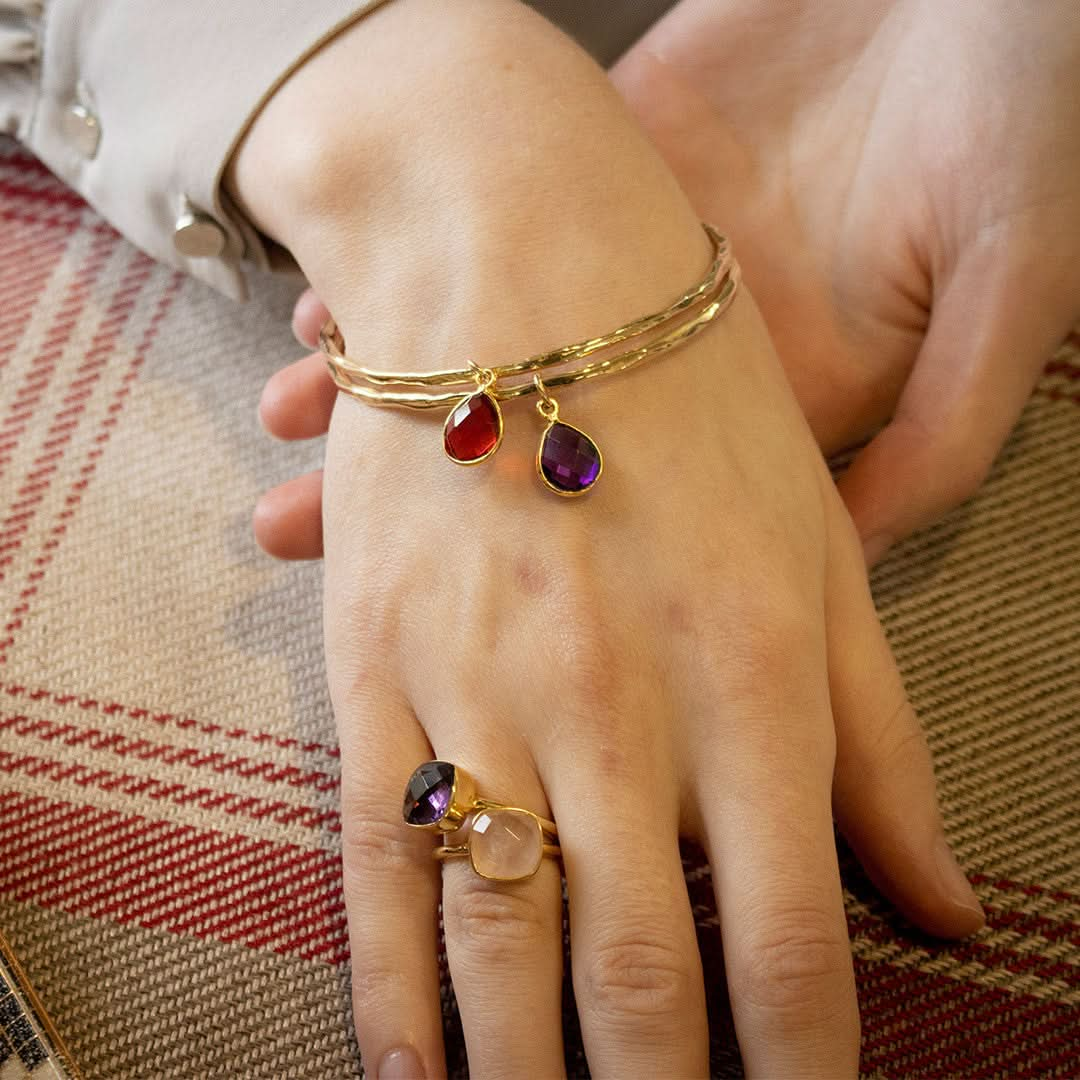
375, 848
799, 965
491, 922
637, 978
374, 982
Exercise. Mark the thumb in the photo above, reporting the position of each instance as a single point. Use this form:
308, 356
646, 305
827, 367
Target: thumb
309, 314
991, 332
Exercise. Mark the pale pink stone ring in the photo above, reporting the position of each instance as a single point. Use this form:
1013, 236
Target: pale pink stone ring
503, 843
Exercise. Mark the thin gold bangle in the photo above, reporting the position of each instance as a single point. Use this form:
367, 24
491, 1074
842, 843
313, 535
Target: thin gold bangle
344, 376
568, 461
333, 345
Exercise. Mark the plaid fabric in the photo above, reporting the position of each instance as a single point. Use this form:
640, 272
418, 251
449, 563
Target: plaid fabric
169, 830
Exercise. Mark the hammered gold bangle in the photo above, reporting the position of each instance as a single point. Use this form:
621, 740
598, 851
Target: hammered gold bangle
567, 461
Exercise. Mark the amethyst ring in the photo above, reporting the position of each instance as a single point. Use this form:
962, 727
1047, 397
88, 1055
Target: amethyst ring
504, 843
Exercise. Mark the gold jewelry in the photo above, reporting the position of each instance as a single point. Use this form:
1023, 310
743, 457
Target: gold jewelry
568, 460
504, 843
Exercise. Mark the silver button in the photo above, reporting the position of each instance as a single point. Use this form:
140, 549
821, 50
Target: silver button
82, 129
197, 234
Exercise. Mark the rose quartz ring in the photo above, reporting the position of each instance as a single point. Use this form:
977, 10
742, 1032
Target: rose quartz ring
503, 843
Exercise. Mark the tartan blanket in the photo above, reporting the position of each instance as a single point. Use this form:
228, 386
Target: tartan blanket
169, 829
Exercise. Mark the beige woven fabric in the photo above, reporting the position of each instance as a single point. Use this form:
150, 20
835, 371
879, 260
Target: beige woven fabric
169, 836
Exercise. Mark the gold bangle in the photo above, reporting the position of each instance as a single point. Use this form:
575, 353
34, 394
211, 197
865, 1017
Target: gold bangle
567, 461
333, 345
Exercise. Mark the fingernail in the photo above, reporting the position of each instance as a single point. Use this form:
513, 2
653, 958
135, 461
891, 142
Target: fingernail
874, 547
402, 1064
956, 885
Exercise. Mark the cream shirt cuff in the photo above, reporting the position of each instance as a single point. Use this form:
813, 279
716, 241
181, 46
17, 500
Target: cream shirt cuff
138, 105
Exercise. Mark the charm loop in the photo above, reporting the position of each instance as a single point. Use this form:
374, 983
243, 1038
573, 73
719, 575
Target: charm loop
547, 406
485, 377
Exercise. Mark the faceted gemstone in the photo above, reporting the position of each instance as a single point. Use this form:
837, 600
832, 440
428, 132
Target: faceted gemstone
427, 795
569, 459
473, 429
505, 844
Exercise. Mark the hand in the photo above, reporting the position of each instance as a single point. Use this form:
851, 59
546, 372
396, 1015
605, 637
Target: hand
689, 650
902, 178
900, 183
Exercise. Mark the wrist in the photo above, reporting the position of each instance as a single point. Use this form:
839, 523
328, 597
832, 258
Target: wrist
486, 174
418, 108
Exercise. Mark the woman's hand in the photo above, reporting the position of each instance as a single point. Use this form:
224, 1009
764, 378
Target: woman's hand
691, 649
902, 177
900, 181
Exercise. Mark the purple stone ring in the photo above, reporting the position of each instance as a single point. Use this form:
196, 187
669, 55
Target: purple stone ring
504, 843
439, 796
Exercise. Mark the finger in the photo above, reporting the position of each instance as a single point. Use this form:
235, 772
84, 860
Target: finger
990, 334
392, 890
504, 940
297, 401
637, 969
768, 833
884, 796
288, 518
309, 314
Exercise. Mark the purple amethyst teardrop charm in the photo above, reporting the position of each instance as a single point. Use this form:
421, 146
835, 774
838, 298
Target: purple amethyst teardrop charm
568, 461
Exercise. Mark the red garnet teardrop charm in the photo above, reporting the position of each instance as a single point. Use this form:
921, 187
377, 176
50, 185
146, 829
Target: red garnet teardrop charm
474, 428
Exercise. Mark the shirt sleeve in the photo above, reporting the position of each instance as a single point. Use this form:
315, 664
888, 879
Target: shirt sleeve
139, 104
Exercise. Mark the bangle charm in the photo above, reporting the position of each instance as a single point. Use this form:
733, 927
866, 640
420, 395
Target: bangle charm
568, 461
474, 428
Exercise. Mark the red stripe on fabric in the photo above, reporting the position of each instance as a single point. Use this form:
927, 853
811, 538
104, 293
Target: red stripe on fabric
82, 869
184, 880
1026, 887
920, 1003
48, 195
15, 525
142, 268
145, 750
998, 957
59, 225
900, 998
1063, 366
44, 363
1052, 393
1023, 922
168, 719
13, 156
121, 783
31, 255
121, 874
936, 1008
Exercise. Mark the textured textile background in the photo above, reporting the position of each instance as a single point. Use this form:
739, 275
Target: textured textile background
169, 833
